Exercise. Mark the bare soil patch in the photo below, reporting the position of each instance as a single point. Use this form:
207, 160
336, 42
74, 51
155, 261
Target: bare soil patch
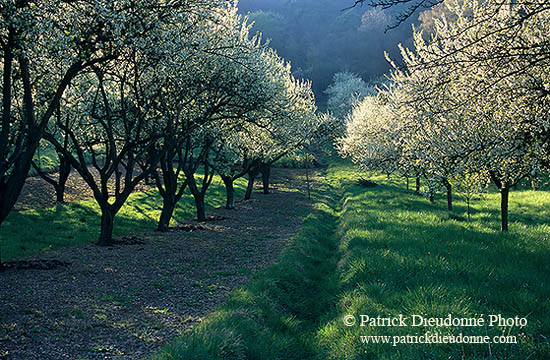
38, 193
38, 264
125, 301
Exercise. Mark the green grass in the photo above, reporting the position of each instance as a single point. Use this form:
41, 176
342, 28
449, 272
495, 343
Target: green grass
297, 160
403, 255
385, 251
46, 158
29, 232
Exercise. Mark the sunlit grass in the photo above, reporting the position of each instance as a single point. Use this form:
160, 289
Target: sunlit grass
407, 256
29, 232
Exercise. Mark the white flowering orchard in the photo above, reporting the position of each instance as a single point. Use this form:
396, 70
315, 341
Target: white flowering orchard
471, 103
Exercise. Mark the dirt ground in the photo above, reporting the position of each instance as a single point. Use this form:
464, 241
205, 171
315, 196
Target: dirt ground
126, 301
38, 193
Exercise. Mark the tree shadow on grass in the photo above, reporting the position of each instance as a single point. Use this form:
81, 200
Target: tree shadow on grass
407, 256
30, 232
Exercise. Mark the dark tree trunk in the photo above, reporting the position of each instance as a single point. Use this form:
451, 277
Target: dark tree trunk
60, 194
31, 131
64, 172
449, 188
307, 183
251, 177
147, 180
417, 185
199, 200
469, 210
11, 186
504, 188
230, 191
431, 193
107, 226
166, 214
59, 184
407, 181
504, 196
201, 208
168, 187
266, 172
6, 203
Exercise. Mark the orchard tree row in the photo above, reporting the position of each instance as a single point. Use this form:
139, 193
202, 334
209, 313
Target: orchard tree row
468, 105
124, 91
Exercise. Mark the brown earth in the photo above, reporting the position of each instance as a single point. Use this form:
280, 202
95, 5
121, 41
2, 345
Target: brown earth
125, 301
38, 193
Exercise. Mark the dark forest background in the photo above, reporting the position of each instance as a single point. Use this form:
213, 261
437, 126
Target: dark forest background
322, 37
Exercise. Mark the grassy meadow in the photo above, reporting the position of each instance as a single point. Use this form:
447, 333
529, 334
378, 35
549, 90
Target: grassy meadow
385, 251
404, 255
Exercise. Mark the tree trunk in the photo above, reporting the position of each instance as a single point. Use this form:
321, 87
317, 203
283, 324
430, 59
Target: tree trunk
11, 186
468, 204
307, 182
201, 208
166, 214
504, 195
431, 191
251, 177
147, 179
449, 188
266, 172
30, 134
407, 181
417, 185
107, 226
59, 194
199, 200
64, 172
230, 191
6, 204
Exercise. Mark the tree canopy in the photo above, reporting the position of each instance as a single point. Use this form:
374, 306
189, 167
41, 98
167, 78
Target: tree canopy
471, 99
